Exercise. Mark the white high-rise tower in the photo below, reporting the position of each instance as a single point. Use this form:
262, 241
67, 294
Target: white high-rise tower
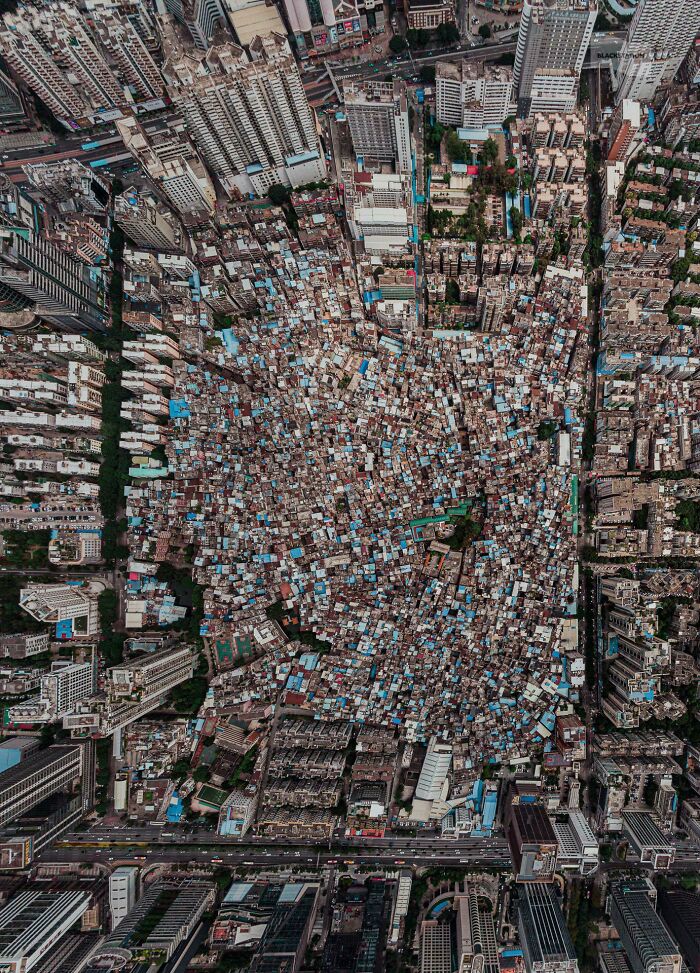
658, 39
377, 113
552, 43
250, 120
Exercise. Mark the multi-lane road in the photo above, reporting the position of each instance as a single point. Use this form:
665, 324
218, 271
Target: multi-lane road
172, 843
107, 143
111, 844
182, 852
319, 86
318, 82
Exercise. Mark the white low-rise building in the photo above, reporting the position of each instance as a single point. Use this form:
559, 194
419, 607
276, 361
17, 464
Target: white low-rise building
577, 847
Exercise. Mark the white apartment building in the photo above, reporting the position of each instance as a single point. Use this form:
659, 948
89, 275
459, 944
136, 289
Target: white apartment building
379, 208
250, 119
151, 676
432, 782
33, 923
177, 265
71, 607
30, 62
132, 690
577, 847
658, 39
55, 36
186, 184
75, 546
85, 386
201, 17
553, 91
382, 230
130, 55
40, 276
237, 814
147, 349
60, 767
377, 189
174, 167
468, 95
554, 36
67, 346
145, 222
64, 420
54, 391
396, 315
377, 113
123, 890
435, 947
67, 684
22, 645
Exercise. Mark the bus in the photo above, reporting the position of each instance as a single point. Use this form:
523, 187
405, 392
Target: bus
111, 161
88, 146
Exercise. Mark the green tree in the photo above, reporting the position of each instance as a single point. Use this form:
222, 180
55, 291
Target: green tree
485, 31
516, 218
433, 138
189, 696
47, 736
457, 150
507, 58
546, 429
489, 152
181, 768
417, 37
397, 44
427, 74
447, 34
679, 269
688, 512
451, 292
278, 194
